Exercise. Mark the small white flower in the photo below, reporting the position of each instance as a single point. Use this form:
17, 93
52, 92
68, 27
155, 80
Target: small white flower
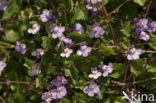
66, 52
35, 70
35, 27
94, 73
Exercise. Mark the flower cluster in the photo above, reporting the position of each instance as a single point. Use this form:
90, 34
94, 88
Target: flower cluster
90, 5
92, 88
59, 92
143, 25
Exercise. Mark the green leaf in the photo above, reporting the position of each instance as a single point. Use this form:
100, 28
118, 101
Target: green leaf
106, 51
152, 43
28, 63
13, 9
80, 13
37, 82
140, 2
45, 43
118, 70
125, 29
13, 32
78, 37
64, 100
137, 67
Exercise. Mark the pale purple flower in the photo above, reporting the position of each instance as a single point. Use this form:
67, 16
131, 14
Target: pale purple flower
84, 50
35, 27
2, 66
66, 40
47, 15
56, 31
143, 36
59, 80
151, 26
133, 53
91, 89
38, 53
94, 73
3, 4
78, 28
95, 1
20, 48
141, 24
66, 52
35, 70
106, 68
96, 31
59, 92
48, 96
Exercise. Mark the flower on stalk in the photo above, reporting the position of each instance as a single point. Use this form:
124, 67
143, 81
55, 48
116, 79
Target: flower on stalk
84, 50
78, 28
56, 31
106, 68
35, 70
141, 24
91, 89
59, 80
151, 26
38, 53
96, 31
133, 53
143, 36
59, 92
94, 73
47, 15
20, 48
48, 96
66, 52
3, 4
2, 66
35, 27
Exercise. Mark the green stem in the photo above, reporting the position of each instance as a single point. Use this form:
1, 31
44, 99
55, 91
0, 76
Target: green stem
6, 44
65, 16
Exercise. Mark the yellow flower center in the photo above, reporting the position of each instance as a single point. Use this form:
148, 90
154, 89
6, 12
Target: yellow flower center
34, 25
143, 33
141, 24
152, 25
77, 27
83, 47
49, 93
55, 29
104, 67
132, 50
58, 77
47, 100
61, 38
94, 71
95, 29
66, 49
91, 86
58, 88
47, 13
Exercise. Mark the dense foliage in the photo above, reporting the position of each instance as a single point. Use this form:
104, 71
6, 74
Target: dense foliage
76, 51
